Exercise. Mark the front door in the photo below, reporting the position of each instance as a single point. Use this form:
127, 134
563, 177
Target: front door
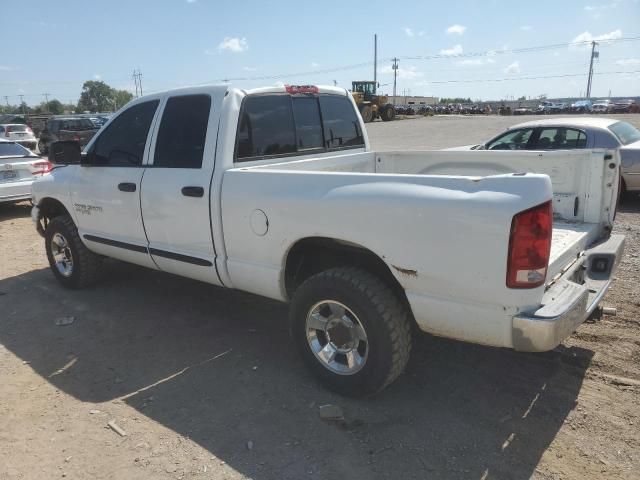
176, 187
106, 188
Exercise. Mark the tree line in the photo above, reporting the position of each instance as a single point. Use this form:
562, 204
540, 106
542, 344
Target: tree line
96, 96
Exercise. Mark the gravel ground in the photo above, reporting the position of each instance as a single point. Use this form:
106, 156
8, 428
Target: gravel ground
205, 384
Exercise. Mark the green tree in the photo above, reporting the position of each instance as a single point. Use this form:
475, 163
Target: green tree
121, 98
55, 106
96, 96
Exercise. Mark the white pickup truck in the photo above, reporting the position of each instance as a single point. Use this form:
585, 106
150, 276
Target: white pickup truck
274, 191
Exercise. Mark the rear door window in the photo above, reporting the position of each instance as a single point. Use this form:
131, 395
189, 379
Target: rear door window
340, 122
183, 132
560, 138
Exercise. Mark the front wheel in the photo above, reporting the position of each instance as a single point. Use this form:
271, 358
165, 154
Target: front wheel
352, 330
367, 113
72, 263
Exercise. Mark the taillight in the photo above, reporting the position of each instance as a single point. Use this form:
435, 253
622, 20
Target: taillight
42, 167
76, 138
7, 130
29, 130
529, 247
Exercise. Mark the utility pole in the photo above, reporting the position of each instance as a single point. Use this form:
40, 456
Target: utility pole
395, 75
6, 99
137, 78
375, 62
594, 54
46, 99
22, 104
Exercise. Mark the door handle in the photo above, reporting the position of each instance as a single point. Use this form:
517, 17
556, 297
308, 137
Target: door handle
193, 191
127, 187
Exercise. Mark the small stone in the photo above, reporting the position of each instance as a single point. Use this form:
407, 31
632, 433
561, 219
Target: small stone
94, 412
63, 321
249, 445
331, 412
255, 367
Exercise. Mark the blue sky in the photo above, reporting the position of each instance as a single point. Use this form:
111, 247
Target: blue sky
55, 46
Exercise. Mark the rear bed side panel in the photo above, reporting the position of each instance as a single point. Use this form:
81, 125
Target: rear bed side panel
442, 237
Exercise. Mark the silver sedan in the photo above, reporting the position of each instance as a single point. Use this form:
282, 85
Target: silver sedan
571, 133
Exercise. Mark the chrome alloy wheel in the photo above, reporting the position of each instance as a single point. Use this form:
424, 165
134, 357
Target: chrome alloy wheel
62, 255
336, 337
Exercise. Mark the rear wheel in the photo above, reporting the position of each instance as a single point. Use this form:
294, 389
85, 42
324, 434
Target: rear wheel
352, 330
73, 264
367, 113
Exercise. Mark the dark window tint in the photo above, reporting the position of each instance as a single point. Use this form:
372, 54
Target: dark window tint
266, 127
76, 124
122, 143
560, 138
512, 140
308, 126
341, 125
183, 132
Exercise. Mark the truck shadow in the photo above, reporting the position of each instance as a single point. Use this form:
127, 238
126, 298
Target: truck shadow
9, 211
218, 367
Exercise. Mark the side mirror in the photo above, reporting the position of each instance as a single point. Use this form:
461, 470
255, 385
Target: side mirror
66, 152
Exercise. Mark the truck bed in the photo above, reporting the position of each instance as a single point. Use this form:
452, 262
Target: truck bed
580, 194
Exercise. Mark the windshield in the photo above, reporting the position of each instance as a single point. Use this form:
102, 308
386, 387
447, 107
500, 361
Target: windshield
10, 149
625, 132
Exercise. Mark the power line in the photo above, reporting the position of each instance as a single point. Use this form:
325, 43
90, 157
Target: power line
564, 75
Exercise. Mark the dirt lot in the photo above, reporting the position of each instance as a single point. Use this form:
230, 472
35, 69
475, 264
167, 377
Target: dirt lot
206, 384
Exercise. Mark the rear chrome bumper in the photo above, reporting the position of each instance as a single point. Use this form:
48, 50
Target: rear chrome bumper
569, 301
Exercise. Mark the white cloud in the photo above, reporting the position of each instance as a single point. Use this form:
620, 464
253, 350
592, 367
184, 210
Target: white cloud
455, 50
192, 1
249, 69
421, 33
472, 62
234, 44
97, 76
513, 68
408, 73
314, 65
457, 29
628, 61
587, 37
6, 68
526, 28
408, 32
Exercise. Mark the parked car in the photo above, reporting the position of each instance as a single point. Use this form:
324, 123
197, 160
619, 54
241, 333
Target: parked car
624, 106
602, 106
523, 111
12, 118
236, 190
575, 133
551, 107
66, 128
19, 133
99, 121
581, 106
19, 167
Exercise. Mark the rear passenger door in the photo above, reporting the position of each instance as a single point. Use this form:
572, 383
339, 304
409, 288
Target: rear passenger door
559, 138
176, 188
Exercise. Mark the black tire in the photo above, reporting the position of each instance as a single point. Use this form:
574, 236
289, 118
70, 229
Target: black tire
379, 311
367, 113
389, 113
42, 147
85, 265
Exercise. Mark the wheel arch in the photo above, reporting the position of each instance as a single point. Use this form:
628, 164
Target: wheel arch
311, 255
48, 208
